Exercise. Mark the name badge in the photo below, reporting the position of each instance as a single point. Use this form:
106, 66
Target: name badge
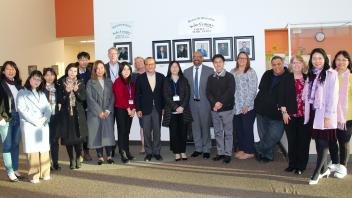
176, 98
130, 102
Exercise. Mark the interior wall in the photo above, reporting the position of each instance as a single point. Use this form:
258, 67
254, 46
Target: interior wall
71, 52
28, 34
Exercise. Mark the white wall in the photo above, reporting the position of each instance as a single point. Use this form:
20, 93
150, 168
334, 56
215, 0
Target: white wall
159, 19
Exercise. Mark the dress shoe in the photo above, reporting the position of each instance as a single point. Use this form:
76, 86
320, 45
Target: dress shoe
178, 157
298, 172
113, 153
148, 158
110, 161
184, 156
289, 169
56, 166
325, 174
19, 176
227, 159
206, 155
266, 160
158, 157
218, 157
258, 156
13, 178
314, 181
100, 162
196, 154
129, 156
87, 157
78, 164
124, 157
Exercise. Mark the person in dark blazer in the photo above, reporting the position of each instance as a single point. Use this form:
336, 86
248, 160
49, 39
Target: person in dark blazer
72, 118
100, 114
125, 109
161, 53
197, 76
292, 108
269, 118
177, 113
10, 84
50, 91
149, 103
123, 54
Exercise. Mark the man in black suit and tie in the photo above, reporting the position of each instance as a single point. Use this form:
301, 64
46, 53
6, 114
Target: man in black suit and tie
123, 54
149, 105
161, 53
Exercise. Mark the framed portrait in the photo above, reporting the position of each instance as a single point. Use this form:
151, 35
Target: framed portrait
31, 68
162, 51
204, 46
182, 50
124, 51
224, 46
56, 69
245, 44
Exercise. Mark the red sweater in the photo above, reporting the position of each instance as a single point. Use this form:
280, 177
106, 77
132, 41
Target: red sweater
122, 95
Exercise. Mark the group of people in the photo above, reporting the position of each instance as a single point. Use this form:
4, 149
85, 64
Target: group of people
81, 108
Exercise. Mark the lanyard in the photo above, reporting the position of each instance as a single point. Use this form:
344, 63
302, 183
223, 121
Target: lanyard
129, 90
174, 87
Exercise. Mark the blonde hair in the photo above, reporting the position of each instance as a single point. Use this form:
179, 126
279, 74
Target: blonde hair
300, 59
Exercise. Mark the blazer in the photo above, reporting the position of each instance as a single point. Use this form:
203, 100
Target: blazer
183, 92
100, 131
30, 108
330, 95
288, 98
145, 96
7, 102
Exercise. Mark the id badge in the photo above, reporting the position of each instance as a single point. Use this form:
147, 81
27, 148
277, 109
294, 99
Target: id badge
176, 98
130, 102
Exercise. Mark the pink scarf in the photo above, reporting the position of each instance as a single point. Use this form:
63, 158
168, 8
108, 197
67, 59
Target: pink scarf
342, 105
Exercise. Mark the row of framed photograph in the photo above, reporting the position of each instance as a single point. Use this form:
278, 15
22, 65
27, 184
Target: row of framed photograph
182, 49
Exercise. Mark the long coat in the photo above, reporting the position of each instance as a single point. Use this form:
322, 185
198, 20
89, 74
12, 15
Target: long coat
35, 138
73, 129
100, 131
171, 106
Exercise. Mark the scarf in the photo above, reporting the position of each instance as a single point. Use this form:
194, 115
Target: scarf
52, 99
342, 105
315, 93
11, 82
71, 83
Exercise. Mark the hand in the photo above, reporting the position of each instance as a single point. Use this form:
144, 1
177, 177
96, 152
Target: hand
218, 105
244, 110
215, 109
67, 87
40, 122
102, 115
327, 123
59, 107
2, 122
179, 109
286, 118
75, 87
133, 111
139, 114
106, 114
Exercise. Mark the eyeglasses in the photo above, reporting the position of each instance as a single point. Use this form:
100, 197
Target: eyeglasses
37, 79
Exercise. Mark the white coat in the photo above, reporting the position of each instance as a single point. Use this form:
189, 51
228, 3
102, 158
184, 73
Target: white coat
31, 108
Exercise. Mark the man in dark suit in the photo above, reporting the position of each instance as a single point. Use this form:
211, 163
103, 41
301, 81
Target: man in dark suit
112, 67
245, 48
182, 52
123, 54
149, 105
161, 53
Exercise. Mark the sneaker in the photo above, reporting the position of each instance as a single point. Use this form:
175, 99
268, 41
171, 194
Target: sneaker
333, 167
341, 172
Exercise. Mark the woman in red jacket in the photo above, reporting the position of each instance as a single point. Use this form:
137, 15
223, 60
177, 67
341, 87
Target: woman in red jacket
124, 90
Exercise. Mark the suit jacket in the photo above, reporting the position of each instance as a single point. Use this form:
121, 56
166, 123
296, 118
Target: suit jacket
161, 55
100, 131
30, 108
145, 96
123, 56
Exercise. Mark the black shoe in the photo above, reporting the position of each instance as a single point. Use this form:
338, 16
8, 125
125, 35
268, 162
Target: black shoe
258, 156
78, 164
148, 158
20, 177
113, 153
100, 162
206, 155
196, 154
56, 166
72, 166
289, 169
218, 157
124, 157
266, 160
129, 156
299, 172
158, 157
110, 161
227, 159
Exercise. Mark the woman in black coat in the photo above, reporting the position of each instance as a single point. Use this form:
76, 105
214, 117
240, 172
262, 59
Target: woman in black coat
176, 111
51, 89
72, 119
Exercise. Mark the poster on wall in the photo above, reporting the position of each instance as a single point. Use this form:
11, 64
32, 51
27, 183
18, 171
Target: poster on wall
124, 51
162, 51
56, 69
122, 30
224, 46
198, 25
245, 44
182, 50
204, 46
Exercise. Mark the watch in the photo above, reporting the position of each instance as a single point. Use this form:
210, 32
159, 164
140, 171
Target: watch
320, 36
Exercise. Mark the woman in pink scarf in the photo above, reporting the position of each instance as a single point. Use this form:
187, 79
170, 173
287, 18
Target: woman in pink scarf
340, 152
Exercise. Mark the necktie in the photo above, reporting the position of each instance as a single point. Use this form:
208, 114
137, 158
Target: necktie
196, 91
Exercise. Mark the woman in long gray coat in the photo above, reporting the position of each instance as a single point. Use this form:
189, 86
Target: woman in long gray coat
100, 115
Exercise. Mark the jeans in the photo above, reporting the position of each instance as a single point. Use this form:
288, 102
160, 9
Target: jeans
270, 132
10, 137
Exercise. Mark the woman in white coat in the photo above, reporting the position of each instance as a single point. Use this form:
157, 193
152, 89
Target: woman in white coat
34, 110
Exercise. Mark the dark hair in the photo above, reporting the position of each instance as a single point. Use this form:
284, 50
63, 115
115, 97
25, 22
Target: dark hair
346, 55
17, 77
69, 66
326, 66
51, 70
169, 69
94, 70
83, 55
123, 64
218, 56
248, 65
41, 87
276, 57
